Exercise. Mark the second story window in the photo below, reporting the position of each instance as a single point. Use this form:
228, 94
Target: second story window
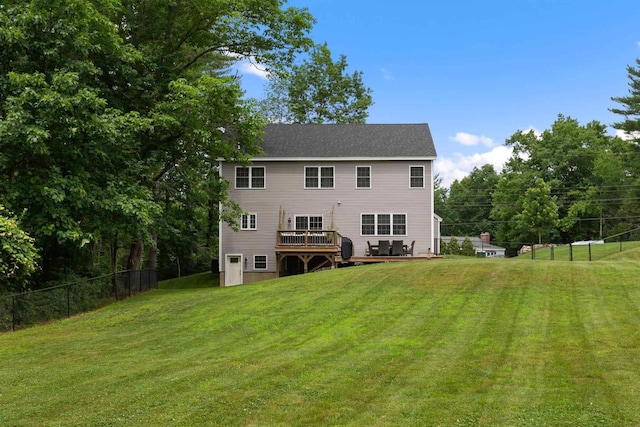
250, 177
363, 176
417, 177
318, 177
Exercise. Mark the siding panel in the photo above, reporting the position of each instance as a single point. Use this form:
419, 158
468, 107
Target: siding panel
390, 193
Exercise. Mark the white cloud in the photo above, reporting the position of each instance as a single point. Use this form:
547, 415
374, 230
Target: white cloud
469, 139
227, 52
249, 66
536, 132
450, 169
627, 136
386, 74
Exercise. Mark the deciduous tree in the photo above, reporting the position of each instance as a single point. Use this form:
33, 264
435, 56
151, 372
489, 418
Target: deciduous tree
539, 210
107, 108
565, 157
320, 90
469, 205
66, 153
18, 255
440, 197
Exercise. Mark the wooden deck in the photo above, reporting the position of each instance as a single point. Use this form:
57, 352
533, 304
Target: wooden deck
315, 248
378, 259
308, 239
318, 249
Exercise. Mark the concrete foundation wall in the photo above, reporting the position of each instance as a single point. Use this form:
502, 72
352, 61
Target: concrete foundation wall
250, 277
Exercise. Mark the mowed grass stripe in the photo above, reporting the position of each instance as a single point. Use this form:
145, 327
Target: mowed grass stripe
453, 342
376, 365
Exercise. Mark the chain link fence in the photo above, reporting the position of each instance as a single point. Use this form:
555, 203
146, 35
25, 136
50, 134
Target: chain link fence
55, 302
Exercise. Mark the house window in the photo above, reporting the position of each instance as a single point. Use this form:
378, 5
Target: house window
309, 222
249, 222
318, 177
368, 224
259, 262
399, 224
383, 224
383, 228
417, 176
363, 176
250, 177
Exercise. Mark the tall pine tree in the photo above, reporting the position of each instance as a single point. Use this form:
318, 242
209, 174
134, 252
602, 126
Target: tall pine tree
630, 108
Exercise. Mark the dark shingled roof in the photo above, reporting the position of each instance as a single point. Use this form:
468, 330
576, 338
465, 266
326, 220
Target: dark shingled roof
348, 140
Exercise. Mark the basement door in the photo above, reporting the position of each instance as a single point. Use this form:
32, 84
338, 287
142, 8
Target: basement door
233, 270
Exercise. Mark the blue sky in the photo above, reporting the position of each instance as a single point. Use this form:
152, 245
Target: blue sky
478, 71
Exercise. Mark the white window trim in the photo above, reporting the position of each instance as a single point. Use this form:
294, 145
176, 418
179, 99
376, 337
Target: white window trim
370, 178
266, 262
250, 187
375, 224
424, 172
249, 215
306, 216
319, 187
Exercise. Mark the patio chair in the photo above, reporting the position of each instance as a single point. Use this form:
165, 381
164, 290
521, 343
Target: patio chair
372, 251
397, 248
383, 247
409, 249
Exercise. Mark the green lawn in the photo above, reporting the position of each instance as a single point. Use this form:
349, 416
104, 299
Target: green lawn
462, 342
581, 252
201, 280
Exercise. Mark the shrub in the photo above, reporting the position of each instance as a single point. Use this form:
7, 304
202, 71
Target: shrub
18, 255
453, 247
467, 247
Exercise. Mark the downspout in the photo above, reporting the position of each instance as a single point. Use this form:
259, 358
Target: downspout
433, 245
220, 260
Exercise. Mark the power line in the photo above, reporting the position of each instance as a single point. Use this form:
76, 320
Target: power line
559, 203
488, 221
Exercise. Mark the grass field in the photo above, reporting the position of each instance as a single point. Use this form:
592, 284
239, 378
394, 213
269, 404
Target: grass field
581, 252
201, 280
459, 342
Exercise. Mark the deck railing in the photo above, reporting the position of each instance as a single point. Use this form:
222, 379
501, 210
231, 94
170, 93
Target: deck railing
308, 238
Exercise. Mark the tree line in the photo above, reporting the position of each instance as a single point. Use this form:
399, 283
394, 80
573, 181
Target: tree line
570, 182
115, 113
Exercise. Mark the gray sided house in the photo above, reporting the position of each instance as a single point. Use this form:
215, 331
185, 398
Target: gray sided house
321, 192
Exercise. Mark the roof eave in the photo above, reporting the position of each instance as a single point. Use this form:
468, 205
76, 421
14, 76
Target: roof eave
337, 159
